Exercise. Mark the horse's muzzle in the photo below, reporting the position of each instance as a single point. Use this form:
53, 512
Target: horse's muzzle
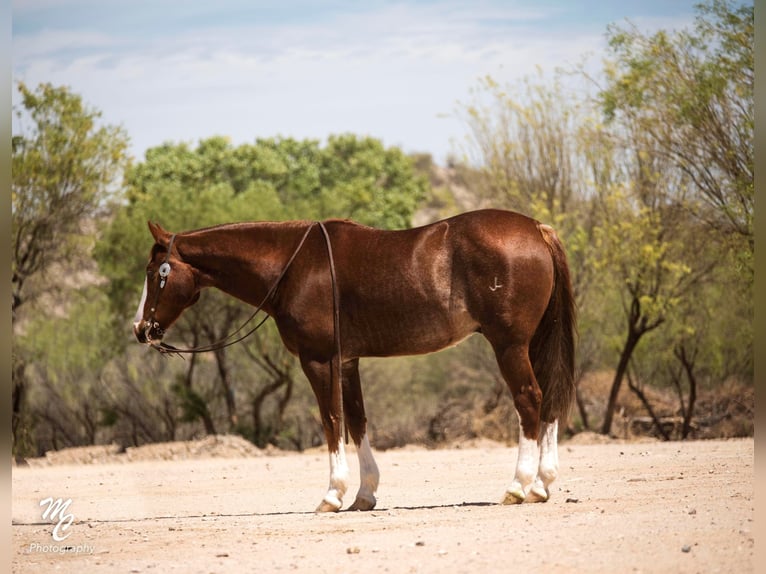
147, 333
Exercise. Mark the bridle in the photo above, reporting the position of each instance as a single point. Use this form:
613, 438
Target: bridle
163, 272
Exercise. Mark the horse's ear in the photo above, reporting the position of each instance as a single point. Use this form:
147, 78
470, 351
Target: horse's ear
160, 235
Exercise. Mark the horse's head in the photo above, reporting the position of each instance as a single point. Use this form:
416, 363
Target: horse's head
169, 288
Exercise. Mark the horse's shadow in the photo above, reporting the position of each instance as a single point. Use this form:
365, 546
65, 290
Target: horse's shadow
377, 509
438, 506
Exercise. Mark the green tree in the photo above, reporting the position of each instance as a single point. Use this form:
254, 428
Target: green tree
691, 94
650, 274
66, 354
526, 144
699, 347
64, 167
679, 111
362, 180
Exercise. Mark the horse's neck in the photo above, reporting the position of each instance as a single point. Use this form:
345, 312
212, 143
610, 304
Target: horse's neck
243, 260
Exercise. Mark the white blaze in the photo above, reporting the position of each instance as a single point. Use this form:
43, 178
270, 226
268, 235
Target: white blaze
140, 311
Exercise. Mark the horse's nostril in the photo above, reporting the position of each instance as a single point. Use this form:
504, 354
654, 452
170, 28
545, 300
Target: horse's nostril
154, 332
140, 332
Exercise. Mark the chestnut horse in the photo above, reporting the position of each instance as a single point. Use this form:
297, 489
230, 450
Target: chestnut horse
374, 293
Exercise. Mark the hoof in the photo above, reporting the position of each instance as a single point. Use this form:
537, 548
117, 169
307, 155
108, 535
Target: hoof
363, 504
329, 505
537, 493
514, 496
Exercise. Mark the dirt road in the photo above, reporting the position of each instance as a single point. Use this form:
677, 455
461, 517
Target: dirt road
638, 507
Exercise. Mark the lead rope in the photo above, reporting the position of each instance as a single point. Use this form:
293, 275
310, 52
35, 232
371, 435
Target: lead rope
336, 330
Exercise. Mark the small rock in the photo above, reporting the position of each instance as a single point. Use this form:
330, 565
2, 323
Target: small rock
686, 548
572, 500
353, 550
420, 543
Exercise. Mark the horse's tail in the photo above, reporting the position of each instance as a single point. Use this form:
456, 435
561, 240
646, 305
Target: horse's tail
552, 349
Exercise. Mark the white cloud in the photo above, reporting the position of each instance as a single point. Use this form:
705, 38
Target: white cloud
54, 43
388, 73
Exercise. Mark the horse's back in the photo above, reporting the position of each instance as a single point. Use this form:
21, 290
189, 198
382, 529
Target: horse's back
432, 257
485, 228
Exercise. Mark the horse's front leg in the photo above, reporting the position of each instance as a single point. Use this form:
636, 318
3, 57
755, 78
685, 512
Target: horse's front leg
321, 379
369, 478
339, 475
356, 423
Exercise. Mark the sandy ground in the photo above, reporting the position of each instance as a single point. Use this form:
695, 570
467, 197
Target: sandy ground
637, 507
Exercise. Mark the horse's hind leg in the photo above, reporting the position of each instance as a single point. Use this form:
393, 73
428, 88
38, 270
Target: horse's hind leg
549, 462
516, 368
356, 423
323, 385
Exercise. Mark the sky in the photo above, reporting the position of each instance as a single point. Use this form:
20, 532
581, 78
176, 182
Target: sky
184, 70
